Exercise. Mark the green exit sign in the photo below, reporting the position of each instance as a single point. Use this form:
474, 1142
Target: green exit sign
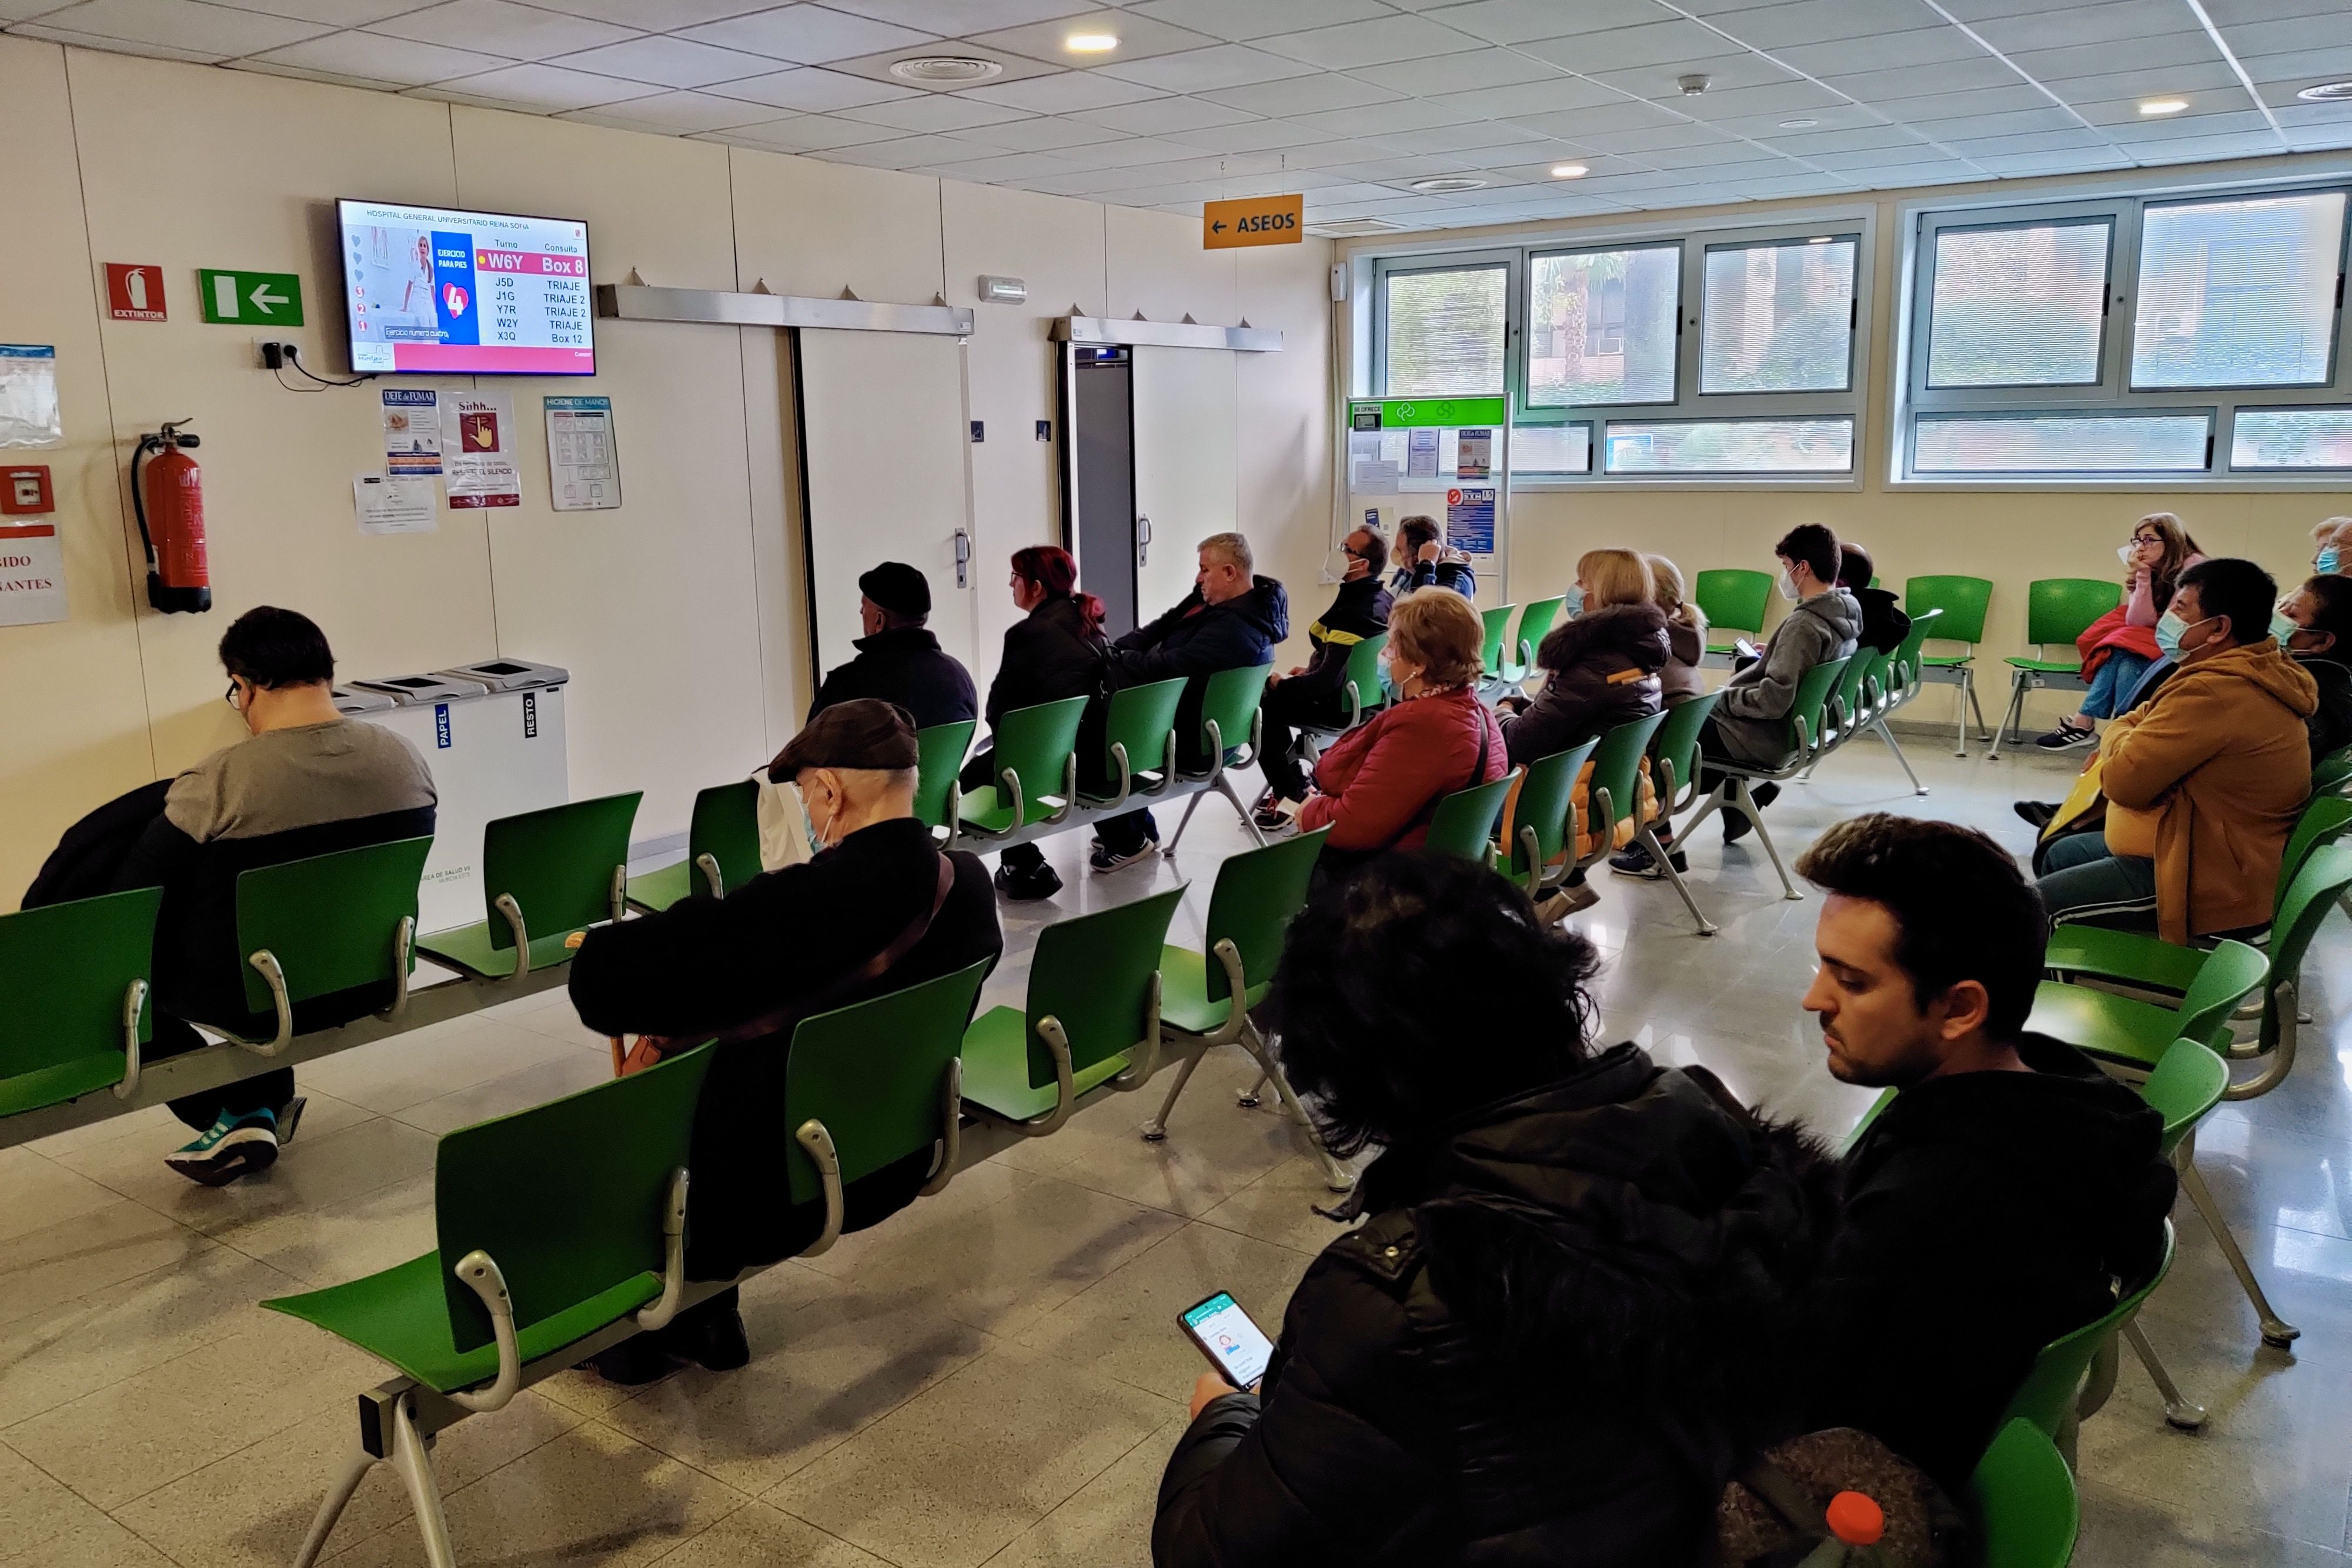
251, 298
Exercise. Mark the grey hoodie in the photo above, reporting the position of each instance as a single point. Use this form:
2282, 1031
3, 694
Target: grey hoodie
1753, 717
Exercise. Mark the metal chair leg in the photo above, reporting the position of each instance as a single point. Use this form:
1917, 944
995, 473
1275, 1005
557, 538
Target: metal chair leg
1157, 1128
2276, 1330
1977, 706
338, 1495
1249, 820
1336, 1176
1250, 1099
1961, 700
416, 1468
1887, 735
1746, 808
1648, 838
1191, 806
2177, 1412
2006, 730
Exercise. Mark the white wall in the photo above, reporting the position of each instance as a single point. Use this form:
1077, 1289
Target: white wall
681, 614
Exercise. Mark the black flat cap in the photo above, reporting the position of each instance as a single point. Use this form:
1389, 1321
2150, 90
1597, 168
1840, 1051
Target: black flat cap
866, 733
898, 589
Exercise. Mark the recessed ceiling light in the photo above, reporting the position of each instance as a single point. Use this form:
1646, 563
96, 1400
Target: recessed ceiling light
2326, 92
2155, 106
1091, 43
945, 68
1446, 184
1799, 124
1569, 171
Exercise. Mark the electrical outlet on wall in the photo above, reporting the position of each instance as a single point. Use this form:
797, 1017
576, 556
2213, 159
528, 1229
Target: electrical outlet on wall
271, 353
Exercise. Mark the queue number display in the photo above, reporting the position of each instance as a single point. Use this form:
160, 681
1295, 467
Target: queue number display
1253, 220
435, 289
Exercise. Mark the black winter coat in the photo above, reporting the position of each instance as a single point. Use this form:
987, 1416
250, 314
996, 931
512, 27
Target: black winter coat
1196, 639
903, 664
1601, 670
1987, 1214
1049, 654
2331, 722
1883, 623
1561, 1323
1359, 610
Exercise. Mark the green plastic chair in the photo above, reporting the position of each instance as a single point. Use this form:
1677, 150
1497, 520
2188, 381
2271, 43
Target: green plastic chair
1843, 718
1037, 752
2022, 1494
1732, 598
1092, 1017
1361, 684
1674, 775
1534, 621
77, 977
1140, 738
2333, 772
546, 875
2137, 1033
328, 923
1960, 604
2058, 610
2052, 1394
722, 849
1230, 708
1536, 834
854, 1110
1734, 789
1902, 680
1614, 796
940, 751
553, 1224
1490, 652
1465, 821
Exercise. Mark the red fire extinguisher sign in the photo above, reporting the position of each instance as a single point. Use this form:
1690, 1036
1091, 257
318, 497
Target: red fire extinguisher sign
134, 291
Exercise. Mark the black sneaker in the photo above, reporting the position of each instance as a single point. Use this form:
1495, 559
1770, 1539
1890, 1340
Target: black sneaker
710, 1335
2036, 813
1106, 859
1635, 860
234, 1146
635, 1362
1024, 885
2065, 737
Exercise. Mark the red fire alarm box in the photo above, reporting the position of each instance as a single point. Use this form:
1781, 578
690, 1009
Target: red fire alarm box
25, 490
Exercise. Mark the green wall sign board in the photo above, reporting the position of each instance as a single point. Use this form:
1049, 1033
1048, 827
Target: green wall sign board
1409, 413
251, 298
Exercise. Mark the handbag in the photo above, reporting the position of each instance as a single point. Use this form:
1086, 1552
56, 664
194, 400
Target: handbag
1776, 1512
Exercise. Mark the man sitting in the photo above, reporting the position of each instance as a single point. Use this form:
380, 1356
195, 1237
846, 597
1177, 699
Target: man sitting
1884, 624
2010, 1189
1424, 561
1231, 620
784, 945
307, 781
2315, 624
1312, 694
2202, 784
898, 661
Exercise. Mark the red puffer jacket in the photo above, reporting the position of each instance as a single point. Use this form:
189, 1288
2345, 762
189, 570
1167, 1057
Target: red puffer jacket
1378, 786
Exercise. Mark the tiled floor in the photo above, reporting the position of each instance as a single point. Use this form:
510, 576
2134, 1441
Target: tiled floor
994, 1378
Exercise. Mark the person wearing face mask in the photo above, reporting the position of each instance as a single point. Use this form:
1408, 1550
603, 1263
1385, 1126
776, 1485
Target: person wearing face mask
2315, 624
1054, 651
305, 781
1311, 694
1685, 633
2119, 647
2331, 542
1425, 560
876, 909
2198, 788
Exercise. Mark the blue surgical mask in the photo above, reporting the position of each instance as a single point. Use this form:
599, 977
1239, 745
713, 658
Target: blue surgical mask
2169, 628
2282, 628
2329, 560
1571, 603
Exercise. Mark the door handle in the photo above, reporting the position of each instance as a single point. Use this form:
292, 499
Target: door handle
1142, 541
963, 558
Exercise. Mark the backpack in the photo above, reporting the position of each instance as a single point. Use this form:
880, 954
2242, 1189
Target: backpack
1778, 1509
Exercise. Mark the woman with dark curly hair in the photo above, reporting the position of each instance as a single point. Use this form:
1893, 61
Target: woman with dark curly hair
1572, 1309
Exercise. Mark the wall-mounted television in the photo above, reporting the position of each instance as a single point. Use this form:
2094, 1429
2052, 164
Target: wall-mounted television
440, 291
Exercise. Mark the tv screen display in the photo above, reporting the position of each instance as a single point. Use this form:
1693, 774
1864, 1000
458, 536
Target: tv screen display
432, 289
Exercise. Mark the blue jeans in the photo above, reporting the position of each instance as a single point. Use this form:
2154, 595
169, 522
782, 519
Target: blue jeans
2082, 883
2112, 686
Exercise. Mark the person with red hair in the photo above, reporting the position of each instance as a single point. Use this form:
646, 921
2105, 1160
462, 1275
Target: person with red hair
1055, 651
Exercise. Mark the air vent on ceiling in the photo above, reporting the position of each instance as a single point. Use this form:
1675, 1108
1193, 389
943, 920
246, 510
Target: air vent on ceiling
2326, 92
945, 68
1349, 228
1447, 185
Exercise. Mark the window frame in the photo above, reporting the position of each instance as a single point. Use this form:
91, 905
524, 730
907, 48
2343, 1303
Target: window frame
2112, 393
1507, 261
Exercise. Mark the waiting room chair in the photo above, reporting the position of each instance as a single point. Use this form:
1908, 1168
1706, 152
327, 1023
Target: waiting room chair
1732, 792
1534, 621
940, 751
1673, 774
1140, 740
2058, 610
1613, 794
1465, 823
552, 1224
330, 923
547, 875
1536, 835
77, 978
1208, 997
1360, 696
1496, 621
2022, 1496
722, 849
1229, 710
2062, 1381
2332, 772
1960, 604
1896, 680
1733, 598
1091, 1015
1036, 752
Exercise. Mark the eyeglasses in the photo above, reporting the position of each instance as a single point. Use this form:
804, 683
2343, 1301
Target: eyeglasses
230, 696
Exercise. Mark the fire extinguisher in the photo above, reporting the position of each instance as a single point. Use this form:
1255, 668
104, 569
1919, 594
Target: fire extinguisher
168, 495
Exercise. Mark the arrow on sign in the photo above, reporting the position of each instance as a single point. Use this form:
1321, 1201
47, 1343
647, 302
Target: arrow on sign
264, 300
1218, 227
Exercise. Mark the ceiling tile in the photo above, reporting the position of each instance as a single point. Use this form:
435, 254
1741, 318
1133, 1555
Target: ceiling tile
2155, 51
907, 152
1799, 22
1304, 95
329, 13
1200, 70
811, 91
409, 65
1040, 135
1245, 19
1162, 115
677, 113
1526, 97
1668, 133
2326, 30
2221, 122
1128, 153
2298, 65
2199, 148
1671, 43
1890, 156
1795, 98
2060, 26
1808, 144
1723, 73
1374, 43
542, 89
1961, 127
932, 111
502, 27
1412, 114
1140, 37
1521, 21
1887, 51
1004, 166
218, 32
810, 133
668, 62
1579, 124
1010, 66
675, 14
1970, 105
1976, 149
2055, 163
1466, 72
295, 73
1062, 92
953, 18
807, 35
1478, 135
1951, 77
1255, 136
2171, 82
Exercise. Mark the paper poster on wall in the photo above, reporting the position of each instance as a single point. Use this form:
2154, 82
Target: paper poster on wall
583, 460
481, 455
28, 395
1420, 454
388, 504
32, 574
1470, 520
412, 431
1473, 455
1376, 479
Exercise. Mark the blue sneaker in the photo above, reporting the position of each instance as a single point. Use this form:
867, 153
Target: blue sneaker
234, 1146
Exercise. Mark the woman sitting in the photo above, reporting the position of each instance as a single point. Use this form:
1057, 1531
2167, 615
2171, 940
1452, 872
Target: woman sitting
2121, 644
1572, 1306
1055, 651
1685, 633
1380, 784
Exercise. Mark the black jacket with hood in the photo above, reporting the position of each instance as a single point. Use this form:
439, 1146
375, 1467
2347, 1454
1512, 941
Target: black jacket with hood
1359, 610
1601, 670
1564, 1321
1883, 623
903, 664
1196, 639
2331, 722
1986, 1214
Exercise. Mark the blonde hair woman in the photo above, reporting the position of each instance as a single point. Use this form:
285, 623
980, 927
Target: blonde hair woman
1378, 785
2120, 646
1685, 633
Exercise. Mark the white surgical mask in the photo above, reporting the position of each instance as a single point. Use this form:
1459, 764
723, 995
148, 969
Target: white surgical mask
820, 839
1788, 587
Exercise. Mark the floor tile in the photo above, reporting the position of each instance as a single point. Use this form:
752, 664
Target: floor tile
1106, 1520
64, 1259
535, 1084
757, 1534
2126, 1529
390, 1075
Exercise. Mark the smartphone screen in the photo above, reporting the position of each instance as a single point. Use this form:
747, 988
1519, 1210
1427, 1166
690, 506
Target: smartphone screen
1233, 1343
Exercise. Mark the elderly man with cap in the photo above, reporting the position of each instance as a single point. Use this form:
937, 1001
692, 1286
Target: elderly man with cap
877, 909
898, 661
